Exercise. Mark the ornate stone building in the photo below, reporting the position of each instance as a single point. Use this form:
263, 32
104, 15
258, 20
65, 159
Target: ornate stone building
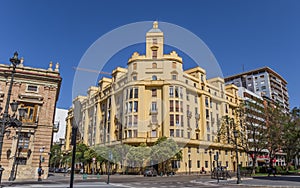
155, 97
37, 91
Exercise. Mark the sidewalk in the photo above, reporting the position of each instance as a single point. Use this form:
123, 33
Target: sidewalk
56, 178
287, 181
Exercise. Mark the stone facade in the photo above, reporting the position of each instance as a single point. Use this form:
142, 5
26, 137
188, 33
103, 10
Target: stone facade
155, 97
37, 91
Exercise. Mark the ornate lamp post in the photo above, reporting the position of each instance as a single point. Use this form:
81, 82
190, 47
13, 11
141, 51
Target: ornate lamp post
7, 120
235, 134
75, 123
22, 111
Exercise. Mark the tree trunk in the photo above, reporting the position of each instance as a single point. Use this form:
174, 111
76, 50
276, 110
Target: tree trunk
254, 159
101, 168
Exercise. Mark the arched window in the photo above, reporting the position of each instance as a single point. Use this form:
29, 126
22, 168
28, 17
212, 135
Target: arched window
154, 77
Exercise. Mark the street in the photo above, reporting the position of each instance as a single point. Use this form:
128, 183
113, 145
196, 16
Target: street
122, 182
180, 181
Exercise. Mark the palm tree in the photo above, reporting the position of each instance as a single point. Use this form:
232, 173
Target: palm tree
89, 155
79, 157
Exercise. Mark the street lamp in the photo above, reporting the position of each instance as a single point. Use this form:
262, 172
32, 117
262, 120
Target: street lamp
75, 123
22, 111
40, 171
210, 162
7, 120
42, 149
235, 134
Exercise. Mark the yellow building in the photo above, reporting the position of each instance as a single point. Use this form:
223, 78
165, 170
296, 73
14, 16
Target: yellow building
155, 97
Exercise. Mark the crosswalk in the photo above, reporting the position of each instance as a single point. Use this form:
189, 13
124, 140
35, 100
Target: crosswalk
148, 184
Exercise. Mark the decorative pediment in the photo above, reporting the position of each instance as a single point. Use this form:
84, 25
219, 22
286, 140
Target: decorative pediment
30, 97
174, 72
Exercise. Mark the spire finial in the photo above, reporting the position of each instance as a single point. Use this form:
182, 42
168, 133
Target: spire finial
56, 67
155, 25
50, 66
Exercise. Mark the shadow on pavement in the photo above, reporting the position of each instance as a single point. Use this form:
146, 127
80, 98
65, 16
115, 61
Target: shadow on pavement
279, 178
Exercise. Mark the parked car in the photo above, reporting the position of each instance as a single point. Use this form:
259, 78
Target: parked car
51, 169
150, 172
59, 170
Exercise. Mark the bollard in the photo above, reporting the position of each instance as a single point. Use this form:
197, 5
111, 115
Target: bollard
84, 176
98, 176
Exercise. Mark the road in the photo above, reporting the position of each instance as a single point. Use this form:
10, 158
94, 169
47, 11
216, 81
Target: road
159, 182
125, 182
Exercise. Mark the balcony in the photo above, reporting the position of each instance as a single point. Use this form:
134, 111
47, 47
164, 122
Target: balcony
56, 126
189, 114
153, 111
153, 122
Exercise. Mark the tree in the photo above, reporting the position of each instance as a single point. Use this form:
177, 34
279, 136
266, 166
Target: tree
276, 121
165, 150
137, 155
292, 135
79, 156
122, 150
102, 156
66, 160
250, 127
89, 155
56, 156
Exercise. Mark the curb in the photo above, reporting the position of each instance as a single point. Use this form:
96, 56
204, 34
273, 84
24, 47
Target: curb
232, 182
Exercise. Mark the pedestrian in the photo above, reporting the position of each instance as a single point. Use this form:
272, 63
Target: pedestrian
40, 172
273, 171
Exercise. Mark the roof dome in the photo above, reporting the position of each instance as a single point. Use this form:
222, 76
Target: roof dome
155, 28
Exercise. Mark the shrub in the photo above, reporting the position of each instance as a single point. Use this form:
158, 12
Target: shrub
279, 170
258, 169
291, 168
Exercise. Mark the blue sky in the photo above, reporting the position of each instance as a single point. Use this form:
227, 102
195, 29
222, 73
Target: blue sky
252, 33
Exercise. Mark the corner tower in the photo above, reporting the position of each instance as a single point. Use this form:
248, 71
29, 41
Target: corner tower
154, 42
